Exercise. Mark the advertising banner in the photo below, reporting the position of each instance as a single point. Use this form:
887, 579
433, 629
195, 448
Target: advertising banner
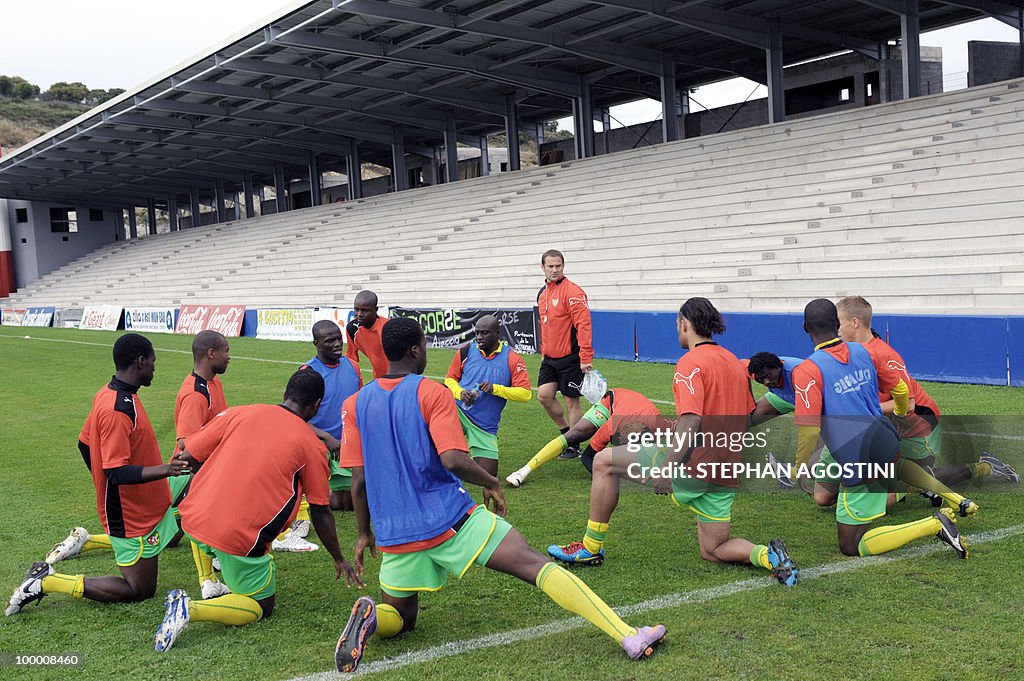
11, 316
295, 323
149, 319
452, 328
101, 317
226, 319
38, 316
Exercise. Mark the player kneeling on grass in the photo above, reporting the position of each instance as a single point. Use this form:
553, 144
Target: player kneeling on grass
620, 412
849, 421
132, 495
255, 463
712, 397
405, 446
483, 376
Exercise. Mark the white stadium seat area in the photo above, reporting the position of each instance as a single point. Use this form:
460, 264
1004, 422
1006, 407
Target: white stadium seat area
915, 205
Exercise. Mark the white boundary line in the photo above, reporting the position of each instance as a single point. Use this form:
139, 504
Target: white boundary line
367, 371
453, 648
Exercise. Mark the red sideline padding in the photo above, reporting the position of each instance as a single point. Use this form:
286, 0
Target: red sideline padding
7, 282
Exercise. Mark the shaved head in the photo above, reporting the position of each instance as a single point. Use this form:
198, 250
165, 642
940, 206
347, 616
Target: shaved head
322, 327
488, 322
821, 318
366, 298
206, 341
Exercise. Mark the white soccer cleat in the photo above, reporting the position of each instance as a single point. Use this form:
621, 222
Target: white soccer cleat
69, 547
516, 478
999, 469
175, 620
301, 528
293, 542
29, 590
779, 468
216, 564
212, 589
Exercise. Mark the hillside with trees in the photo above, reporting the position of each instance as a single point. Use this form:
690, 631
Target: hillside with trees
27, 111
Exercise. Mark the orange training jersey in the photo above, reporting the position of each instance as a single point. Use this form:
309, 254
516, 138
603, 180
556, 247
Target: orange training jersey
629, 410
366, 339
565, 321
712, 383
885, 358
198, 401
118, 433
258, 462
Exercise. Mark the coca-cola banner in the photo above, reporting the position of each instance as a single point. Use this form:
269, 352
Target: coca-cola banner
101, 317
227, 319
452, 328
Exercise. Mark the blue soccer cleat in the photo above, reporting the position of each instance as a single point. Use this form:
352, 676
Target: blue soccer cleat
575, 554
783, 567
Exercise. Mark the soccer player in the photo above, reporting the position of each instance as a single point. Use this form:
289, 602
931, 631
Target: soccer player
621, 411
483, 376
341, 380
565, 343
837, 391
254, 464
712, 397
921, 442
200, 398
776, 374
407, 453
132, 496
364, 333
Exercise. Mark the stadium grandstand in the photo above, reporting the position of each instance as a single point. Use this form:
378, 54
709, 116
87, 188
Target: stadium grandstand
913, 203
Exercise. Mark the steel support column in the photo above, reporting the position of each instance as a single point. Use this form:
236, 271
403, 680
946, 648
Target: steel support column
248, 192
355, 173
315, 195
151, 215
910, 34
219, 201
133, 228
583, 120
776, 87
279, 188
451, 148
399, 173
172, 213
669, 117
193, 198
485, 161
512, 132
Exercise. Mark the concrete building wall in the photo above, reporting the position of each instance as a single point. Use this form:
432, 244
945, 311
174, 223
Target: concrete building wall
37, 250
991, 62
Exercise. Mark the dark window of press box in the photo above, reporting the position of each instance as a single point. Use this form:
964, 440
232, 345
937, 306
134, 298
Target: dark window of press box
21, 214
63, 220
95, 215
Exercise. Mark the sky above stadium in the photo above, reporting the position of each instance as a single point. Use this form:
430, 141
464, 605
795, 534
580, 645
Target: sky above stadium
131, 41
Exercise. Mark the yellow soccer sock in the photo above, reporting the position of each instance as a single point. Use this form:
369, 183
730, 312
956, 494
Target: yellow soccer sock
303, 513
759, 556
568, 591
96, 542
912, 474
550, 451
979, 470
204, 564
73, 585
233, 609
389, 621
884, 539
593, 540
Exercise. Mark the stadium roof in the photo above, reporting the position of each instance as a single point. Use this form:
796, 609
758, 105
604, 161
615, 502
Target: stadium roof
330, 76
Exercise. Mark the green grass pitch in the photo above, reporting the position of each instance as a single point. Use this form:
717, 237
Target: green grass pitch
924, 617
